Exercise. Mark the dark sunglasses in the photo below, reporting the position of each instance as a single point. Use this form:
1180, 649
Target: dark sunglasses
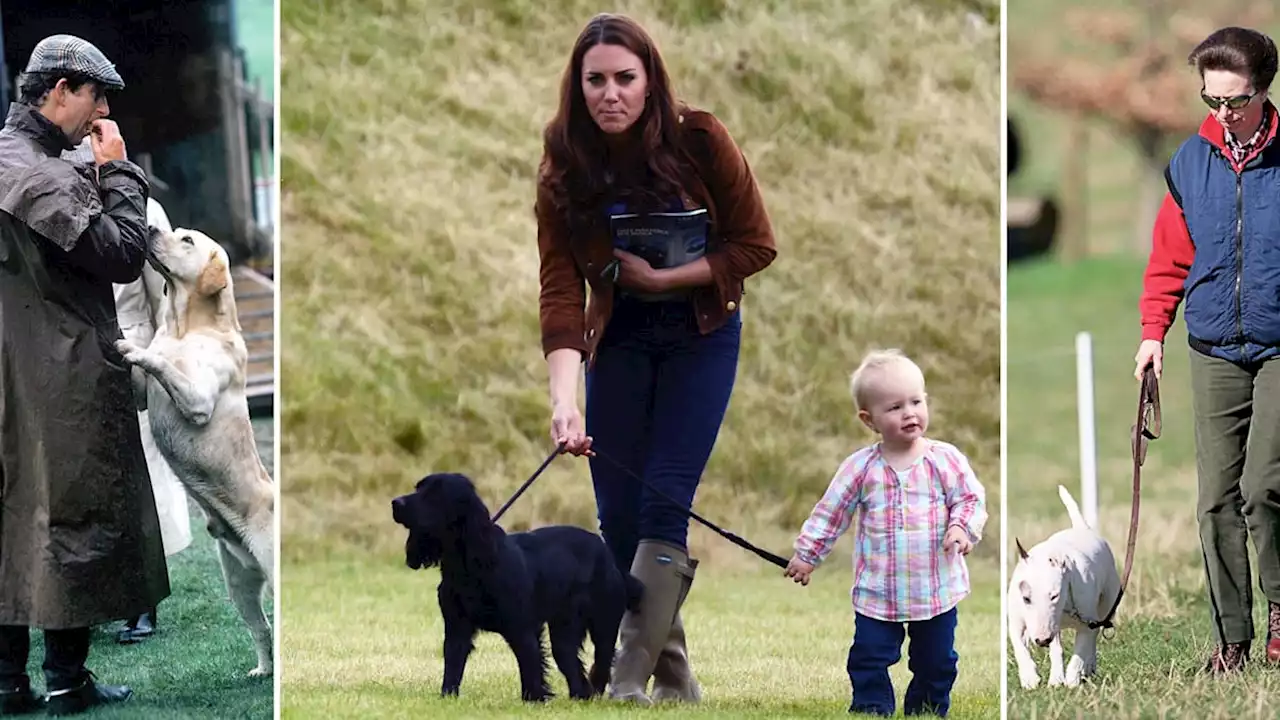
1234, 103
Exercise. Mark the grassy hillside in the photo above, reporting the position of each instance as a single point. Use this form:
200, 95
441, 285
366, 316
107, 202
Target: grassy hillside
412, 133
1163, 632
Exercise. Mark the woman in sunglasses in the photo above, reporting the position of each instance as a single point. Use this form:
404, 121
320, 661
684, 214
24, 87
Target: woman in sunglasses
1216, 251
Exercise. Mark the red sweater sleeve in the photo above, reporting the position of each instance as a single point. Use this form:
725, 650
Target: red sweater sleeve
1172, 252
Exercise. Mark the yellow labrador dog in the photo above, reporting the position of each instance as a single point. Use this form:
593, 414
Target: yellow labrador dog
194, 374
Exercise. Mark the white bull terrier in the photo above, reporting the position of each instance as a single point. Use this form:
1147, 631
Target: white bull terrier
1066, 581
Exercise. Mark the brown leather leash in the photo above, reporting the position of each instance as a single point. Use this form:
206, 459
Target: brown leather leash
1146, 428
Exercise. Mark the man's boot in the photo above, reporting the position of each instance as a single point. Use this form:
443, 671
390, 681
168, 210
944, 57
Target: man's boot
662, 568
16, 697
72, 688
83, 695
672, 677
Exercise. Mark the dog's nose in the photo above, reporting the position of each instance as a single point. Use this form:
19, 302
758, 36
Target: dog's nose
1044, 642
397, 506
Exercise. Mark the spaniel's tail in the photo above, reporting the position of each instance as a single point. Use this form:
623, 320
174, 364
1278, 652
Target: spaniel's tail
635, 590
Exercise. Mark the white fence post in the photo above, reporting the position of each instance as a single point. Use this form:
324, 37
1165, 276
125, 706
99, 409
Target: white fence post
1084, 410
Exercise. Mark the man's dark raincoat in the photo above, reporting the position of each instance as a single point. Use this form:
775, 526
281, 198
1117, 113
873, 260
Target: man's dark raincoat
79, 537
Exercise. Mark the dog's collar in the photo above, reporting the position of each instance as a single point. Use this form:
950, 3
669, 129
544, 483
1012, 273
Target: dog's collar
1091, 624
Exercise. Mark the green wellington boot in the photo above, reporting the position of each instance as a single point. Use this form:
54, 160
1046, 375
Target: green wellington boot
666, 573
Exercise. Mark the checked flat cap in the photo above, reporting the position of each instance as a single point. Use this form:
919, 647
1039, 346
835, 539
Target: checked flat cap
70, 54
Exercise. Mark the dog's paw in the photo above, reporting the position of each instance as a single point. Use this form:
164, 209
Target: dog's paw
1030, 679
131, 352
1056, 677
1090, 669
1075, 672
261, 671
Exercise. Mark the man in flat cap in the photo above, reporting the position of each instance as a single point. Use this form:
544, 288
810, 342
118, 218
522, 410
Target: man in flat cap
80, 542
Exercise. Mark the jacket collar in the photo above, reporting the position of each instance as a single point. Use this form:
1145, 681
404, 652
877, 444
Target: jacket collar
1212, 131
26, 121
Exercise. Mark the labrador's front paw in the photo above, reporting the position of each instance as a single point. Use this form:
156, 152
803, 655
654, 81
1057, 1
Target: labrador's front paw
132, 353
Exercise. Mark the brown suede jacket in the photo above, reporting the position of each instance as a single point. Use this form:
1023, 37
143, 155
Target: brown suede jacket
740, 244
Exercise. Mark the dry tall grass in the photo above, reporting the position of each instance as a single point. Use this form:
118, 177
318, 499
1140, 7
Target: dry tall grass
411, 135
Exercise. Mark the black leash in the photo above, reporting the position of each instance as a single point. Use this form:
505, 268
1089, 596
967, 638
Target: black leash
765, 554
559, 449
736, 540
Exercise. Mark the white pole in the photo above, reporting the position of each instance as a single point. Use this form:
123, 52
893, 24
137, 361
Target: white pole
1084, 408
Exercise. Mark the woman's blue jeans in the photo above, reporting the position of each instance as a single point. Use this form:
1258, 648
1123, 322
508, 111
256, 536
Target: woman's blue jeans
655, 401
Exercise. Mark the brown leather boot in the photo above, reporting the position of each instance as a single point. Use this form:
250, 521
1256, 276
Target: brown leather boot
662, 568
1228, 658
1273, 633
672, 677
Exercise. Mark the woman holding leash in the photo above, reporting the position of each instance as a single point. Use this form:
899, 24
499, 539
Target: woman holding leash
1216, 251
649, 207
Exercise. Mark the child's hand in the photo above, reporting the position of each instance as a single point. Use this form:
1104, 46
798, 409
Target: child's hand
956, 541
799, 570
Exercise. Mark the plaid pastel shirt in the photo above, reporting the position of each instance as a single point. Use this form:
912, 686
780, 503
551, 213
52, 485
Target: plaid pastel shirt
901, 573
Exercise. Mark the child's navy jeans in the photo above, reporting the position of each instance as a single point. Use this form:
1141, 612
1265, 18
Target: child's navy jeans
655, 400
932, 658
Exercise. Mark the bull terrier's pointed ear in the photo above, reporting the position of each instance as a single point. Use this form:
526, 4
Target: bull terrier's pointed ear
1022, 554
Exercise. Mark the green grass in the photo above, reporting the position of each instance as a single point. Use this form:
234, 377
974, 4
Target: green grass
195, 666
364, 640
1148, 669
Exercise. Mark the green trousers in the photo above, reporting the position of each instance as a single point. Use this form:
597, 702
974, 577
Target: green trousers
1237, 407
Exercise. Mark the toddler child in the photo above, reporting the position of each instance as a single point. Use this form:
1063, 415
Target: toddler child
920, 510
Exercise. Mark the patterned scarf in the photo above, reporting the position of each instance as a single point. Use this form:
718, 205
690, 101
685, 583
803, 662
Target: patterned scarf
1240, 150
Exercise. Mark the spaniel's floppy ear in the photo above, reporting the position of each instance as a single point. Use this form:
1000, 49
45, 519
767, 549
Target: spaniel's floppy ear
421, 550
482, 536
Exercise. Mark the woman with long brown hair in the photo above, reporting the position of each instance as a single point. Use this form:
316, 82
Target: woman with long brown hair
646, 206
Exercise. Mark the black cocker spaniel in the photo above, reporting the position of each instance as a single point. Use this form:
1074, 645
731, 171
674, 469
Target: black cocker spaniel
560, 576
